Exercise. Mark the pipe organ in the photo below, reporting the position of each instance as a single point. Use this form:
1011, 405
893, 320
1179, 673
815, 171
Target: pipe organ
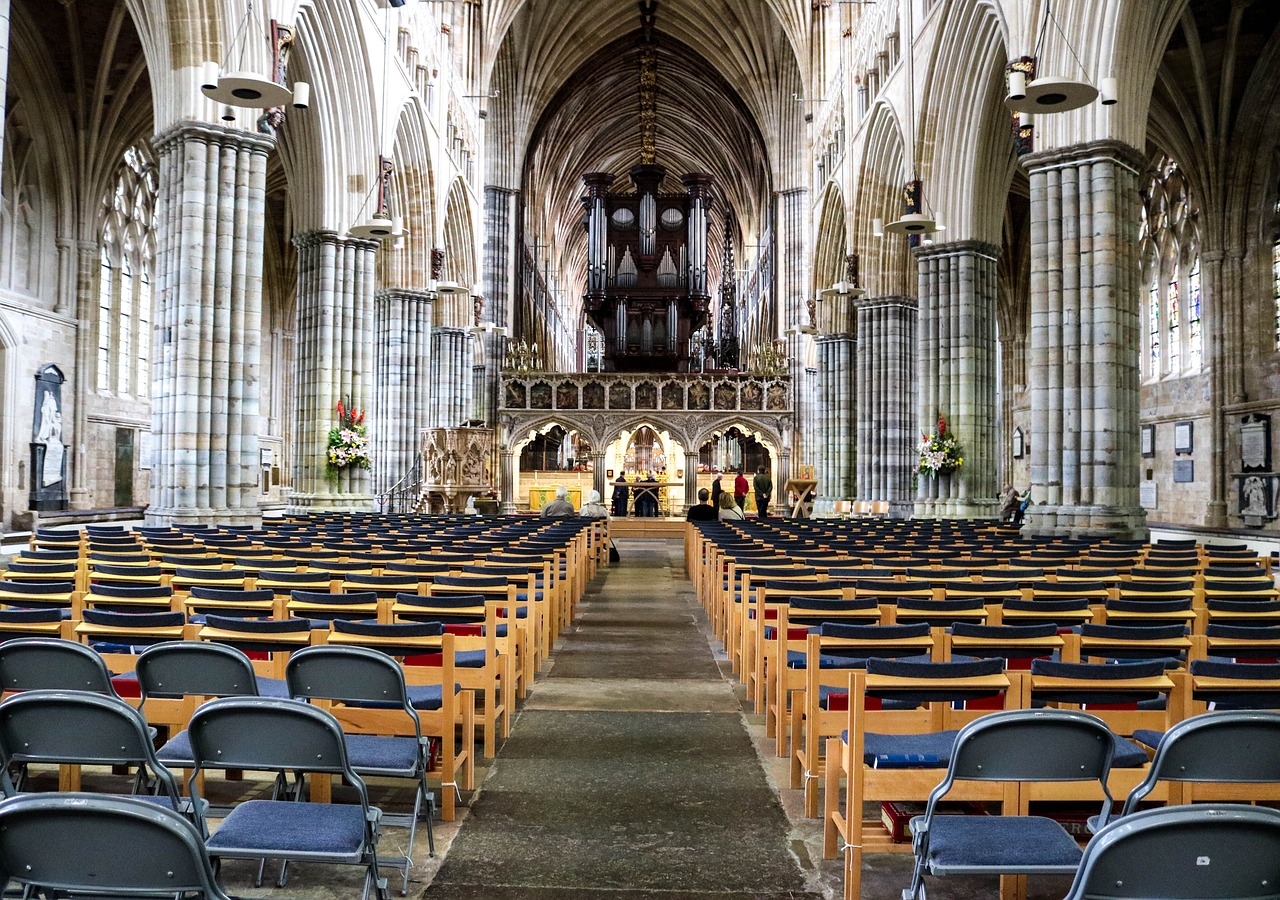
647, 268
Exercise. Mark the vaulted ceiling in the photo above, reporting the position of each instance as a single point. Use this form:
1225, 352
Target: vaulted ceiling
564, 88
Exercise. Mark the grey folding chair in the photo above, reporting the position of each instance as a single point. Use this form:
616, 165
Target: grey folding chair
265, 734
1235, 746
71, 844
1206, 852
29, 664
178, 669
81, 728
359, 675
1014, 745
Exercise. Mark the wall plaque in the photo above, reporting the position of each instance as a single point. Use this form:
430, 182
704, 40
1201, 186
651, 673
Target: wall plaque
1183, 437
1148, 441
1184, 471
1255, 443
1257, 497
1147, 494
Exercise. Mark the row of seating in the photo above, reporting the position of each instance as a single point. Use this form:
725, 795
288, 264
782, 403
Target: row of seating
339, 711
882, 667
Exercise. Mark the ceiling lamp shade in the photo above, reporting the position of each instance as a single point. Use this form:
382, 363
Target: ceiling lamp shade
842, 289
1052, 95
451, 288
913, 223
374, 229
246, 89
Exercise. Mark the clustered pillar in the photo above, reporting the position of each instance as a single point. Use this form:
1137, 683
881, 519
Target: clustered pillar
449, 403
836, 407
793, 282
1082, 369
402, 332
886, 401
205, 364
335, 363
957, 373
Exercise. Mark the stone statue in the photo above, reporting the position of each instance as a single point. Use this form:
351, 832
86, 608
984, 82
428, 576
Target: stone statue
1255, 497
51, 436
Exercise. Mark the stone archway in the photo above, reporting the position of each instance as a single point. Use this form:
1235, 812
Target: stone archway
691, 408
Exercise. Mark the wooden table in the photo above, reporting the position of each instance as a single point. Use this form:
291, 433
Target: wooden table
804, 490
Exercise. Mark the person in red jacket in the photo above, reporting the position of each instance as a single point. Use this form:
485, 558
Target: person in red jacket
740, 489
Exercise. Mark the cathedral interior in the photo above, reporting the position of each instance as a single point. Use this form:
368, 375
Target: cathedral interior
676, 217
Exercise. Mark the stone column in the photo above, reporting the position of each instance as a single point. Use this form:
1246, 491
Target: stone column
791, 250
205, 353
691, 479
886, 401
402, 348
507, 485
88, 265
335, 363
486, 371
957, 373
4, 65
1083, 368
833, 422
1214, 352
499, 252
451, 376
598, 481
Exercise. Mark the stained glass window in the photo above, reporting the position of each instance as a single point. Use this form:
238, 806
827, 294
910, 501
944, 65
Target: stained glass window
1275, 284
143, 342
124, 383
1153, 313
1195, 337
1175, 319
124, 293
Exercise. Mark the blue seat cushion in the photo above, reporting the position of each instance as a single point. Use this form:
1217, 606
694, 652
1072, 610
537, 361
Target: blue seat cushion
272, 687
999, 843
282, 826
898, 751
796, 659
1128, 755
177, 751
1148, 736
468, 659
370, 752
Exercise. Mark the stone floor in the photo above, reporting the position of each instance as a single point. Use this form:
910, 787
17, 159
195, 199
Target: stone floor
635, 770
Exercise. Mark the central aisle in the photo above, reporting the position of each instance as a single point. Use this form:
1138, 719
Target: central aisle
629, 774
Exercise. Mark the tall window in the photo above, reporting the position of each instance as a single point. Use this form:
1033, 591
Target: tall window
105, 283
1169, 245
1195, 337
124, 291
1275, 282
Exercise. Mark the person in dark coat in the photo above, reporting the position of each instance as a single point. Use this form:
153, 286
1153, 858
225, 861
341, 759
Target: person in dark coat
621, 494
716, 491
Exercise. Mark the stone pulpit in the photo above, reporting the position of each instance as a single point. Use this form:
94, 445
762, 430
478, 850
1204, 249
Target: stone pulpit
457, 463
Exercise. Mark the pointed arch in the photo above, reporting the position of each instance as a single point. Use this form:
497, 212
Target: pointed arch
406, 264
887, 267
831, 244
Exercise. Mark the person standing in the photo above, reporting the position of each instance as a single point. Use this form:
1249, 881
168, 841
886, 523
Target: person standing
702, 511
560, 506
716, 491
740, 489
621, 494
763, 485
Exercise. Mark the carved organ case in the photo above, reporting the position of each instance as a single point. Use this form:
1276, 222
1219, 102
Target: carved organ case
647, 268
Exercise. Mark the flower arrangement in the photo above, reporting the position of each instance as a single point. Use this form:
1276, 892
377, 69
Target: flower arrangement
348, 443
939, 452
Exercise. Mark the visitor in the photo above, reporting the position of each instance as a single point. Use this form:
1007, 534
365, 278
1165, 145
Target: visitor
560, 506
593, 508
702, 511
621, 494
730, 511
647, 496
763, 485
716, 491
740, 489
1009, 505
470, 508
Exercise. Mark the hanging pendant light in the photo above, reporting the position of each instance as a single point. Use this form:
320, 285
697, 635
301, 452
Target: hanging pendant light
251, 90
1051, 93
915, 221
380, 225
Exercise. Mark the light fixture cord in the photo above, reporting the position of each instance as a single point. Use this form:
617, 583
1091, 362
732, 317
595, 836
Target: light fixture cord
1044, 29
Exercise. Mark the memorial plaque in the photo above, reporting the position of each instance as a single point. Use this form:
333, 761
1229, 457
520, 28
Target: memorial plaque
1184, 471
1148, 441
1255, 443
1183, 437
1147, 494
